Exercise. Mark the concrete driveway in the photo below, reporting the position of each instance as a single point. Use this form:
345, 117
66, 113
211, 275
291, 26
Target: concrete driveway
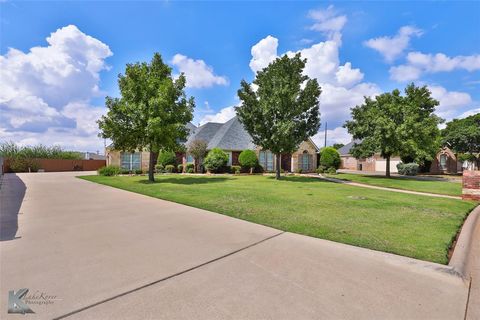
104, 253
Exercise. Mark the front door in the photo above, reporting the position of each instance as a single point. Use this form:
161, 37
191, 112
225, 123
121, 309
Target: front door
287, 162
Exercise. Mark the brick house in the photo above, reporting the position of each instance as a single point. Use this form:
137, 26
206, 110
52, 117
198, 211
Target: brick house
446, 162
375, 163
232, 138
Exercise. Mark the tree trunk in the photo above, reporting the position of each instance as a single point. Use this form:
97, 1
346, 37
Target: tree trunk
388, 167
277, 175
251, 170
151, 166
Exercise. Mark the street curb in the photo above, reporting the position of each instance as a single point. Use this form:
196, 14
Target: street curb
460, 261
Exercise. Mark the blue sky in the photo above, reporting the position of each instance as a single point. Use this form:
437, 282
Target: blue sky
55, 93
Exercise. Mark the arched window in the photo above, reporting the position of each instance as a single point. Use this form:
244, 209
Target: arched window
305, 161
443, 162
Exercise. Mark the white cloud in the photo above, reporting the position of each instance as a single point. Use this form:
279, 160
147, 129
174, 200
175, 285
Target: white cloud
337, 135
419, 63
451, 102
469, 113
328, 22
392, 47
222, 116
197, 72
264, 52
322, 60
346, 76
404, 73
43, 88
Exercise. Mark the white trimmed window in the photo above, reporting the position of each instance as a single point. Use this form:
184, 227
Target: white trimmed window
266, 160
130, 160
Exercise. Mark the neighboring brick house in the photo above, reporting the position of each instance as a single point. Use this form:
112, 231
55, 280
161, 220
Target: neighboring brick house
446, 162
232, 138
375, 163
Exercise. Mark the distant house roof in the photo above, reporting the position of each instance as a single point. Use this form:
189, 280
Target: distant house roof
345, 150
230, 135
94, 156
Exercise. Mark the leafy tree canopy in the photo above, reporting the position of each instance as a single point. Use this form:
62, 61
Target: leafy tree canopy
283, 111
338, 145
392, 124
166, 157
463, 135
152, 111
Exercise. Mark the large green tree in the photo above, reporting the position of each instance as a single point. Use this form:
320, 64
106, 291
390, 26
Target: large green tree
392, 124
283, 111
463, 135
151, 113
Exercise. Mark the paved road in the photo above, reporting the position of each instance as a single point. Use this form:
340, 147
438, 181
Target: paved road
111, 254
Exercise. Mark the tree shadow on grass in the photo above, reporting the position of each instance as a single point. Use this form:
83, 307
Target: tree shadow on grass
299, 179
188, 180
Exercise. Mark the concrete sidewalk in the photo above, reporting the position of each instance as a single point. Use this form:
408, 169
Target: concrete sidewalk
112, 254
363, 185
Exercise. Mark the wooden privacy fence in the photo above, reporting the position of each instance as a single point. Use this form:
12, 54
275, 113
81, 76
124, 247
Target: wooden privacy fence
58, 165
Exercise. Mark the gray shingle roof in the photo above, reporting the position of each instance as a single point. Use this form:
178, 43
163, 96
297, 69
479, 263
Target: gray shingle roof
345, 150
227, 136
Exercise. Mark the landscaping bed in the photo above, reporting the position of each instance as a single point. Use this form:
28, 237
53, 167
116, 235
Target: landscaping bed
404, 224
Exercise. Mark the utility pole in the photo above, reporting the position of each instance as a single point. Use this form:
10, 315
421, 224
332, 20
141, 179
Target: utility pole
326, 125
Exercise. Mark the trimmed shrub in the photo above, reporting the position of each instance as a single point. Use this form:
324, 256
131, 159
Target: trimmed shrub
298, 170
407, 169
248, 159
166, 157
236, 169
331, 170
320, 169
138, 171
109, 171
124, 171
159, 168
190, 170
180, 168
169, 168
190, 166
216, 160
330, 158
22, 164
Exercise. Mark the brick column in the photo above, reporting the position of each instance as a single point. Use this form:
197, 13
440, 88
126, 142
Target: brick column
471, 185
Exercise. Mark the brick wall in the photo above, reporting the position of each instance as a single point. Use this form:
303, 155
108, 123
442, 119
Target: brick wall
471, 185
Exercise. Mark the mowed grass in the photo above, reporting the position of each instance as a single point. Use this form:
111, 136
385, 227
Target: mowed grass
453, 188
415, 226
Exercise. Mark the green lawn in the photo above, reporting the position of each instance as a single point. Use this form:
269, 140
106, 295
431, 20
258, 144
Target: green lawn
453, 188
415, 226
